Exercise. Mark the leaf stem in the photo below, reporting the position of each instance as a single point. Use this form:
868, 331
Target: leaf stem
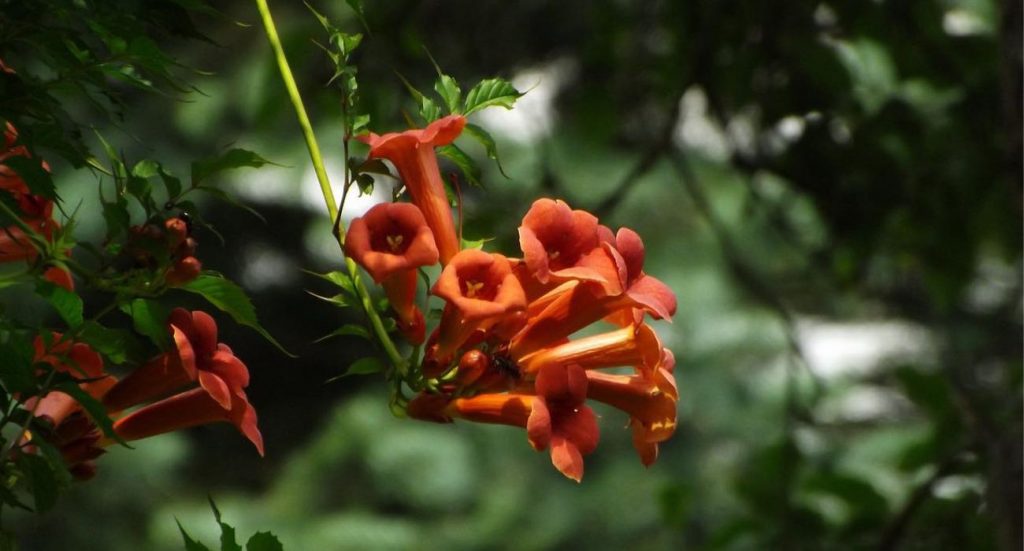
366, 301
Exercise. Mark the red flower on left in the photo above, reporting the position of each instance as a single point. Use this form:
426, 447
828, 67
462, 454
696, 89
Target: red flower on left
198, 381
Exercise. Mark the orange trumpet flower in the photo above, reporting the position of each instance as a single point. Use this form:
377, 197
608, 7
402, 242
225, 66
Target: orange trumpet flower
555, 239
196, 356
391, 241
412, 153
190, 409
481, 290
77, 359
650, 402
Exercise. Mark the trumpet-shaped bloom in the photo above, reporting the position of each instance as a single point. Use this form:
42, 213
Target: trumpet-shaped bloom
196, 356
480, 290
391, 241
561, 420
412, 153
650, 402
555, 238
190, 409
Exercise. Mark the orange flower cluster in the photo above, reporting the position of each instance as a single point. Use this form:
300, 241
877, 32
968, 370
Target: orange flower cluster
199, 381
502, 352
36, 212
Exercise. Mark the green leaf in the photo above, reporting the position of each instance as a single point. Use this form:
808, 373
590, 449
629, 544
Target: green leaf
171, 182
350, 329
231, 200
146, 168
41, 479
67, 304
33, 174
190, 544
227, 532
365, 183
362, 366
341, 279
341, 300
371, 166
475, 243
429, 109
491, 92
449, 90
150, 319
231, 299
465, 163
485, 139
116, 344
97, 412
233, 158
263, 541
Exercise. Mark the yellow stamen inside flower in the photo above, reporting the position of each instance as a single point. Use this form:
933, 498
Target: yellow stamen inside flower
395, 241
553, 255
473, 287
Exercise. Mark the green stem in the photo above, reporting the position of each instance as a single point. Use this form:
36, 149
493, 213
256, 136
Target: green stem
366, 300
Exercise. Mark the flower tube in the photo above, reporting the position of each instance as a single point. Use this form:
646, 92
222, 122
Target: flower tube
190, 409
631, 345
412, 153
390, 242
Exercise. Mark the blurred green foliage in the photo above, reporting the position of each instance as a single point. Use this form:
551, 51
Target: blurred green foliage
833, 190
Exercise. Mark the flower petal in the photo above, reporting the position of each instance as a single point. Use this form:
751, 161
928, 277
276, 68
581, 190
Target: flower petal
566, 457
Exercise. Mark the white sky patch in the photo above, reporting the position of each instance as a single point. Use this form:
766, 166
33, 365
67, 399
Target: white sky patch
696, 131
264, 267
960, 22
534, 115
851, 349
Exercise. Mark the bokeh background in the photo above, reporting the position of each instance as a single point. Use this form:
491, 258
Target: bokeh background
833, 189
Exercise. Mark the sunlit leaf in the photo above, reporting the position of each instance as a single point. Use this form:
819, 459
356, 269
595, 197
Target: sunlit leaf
231, 299
491, 92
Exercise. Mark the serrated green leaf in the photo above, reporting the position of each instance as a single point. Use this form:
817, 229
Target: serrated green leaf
227, 532
491, 92
231, 299
263, 541
150, 319
429, 109
41, 480
190, 544
37, 179
233, 158
116, 344
465, 163
67, 304
485, 139
448, 88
